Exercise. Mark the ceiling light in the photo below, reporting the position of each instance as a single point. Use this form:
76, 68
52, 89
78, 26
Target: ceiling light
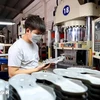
2, 36
6, 23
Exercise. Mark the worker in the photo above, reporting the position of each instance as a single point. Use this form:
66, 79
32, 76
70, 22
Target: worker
23, 55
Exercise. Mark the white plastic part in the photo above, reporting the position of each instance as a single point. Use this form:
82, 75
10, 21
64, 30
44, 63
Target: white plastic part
3, 92
54, 60
76, 73
84, 70
27, 88
64, 83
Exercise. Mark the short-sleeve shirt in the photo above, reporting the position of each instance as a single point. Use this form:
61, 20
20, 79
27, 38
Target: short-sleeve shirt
23, 54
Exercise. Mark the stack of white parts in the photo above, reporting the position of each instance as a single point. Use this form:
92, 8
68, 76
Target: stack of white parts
70, 88
3, 91
24, 87
91, 78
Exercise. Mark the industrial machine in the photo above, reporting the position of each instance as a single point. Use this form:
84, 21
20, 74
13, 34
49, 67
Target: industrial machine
96, 43
75, 18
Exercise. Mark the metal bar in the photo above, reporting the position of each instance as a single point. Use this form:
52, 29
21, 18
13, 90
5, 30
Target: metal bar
13, 7
56, 41
6, 2
24, 8
65, 35
87, 60
49, 44
56, 35
89, 25
9, 8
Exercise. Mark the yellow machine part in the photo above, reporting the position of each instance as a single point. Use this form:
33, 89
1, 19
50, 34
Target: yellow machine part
49, 52
90, 57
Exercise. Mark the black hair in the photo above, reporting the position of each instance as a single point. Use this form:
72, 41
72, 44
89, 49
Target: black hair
34, 22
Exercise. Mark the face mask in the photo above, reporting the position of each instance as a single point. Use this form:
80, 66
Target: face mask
36, 38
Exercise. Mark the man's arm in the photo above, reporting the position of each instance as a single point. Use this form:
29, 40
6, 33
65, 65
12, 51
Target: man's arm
13, 70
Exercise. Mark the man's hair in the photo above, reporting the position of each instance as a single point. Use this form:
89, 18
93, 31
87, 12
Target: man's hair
34, 22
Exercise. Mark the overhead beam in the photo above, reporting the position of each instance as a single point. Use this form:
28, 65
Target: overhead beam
81, 1
9, 8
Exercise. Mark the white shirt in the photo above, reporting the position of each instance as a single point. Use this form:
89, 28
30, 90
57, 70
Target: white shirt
24, 55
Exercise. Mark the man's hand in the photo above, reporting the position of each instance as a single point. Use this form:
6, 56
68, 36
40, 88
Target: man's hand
40, 67
43, 67
46, 67
13, 70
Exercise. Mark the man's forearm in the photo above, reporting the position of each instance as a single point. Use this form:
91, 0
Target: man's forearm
24, 71
13, 70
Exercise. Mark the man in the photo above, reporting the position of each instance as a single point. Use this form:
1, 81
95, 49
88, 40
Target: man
23, 54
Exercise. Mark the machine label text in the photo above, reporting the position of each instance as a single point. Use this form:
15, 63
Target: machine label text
66, 10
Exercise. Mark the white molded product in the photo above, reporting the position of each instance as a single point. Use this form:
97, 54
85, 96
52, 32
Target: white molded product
3, 94
54, 60
48, 88
83, 70
26, 87
64, 83
76, 74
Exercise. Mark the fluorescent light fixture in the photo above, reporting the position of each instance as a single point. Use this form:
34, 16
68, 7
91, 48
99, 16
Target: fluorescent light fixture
2, 36
6, 23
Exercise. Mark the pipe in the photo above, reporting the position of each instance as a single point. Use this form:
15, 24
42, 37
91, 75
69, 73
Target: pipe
88, 28
45, 17
65, 35
56, 34
49, 44
56, 41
